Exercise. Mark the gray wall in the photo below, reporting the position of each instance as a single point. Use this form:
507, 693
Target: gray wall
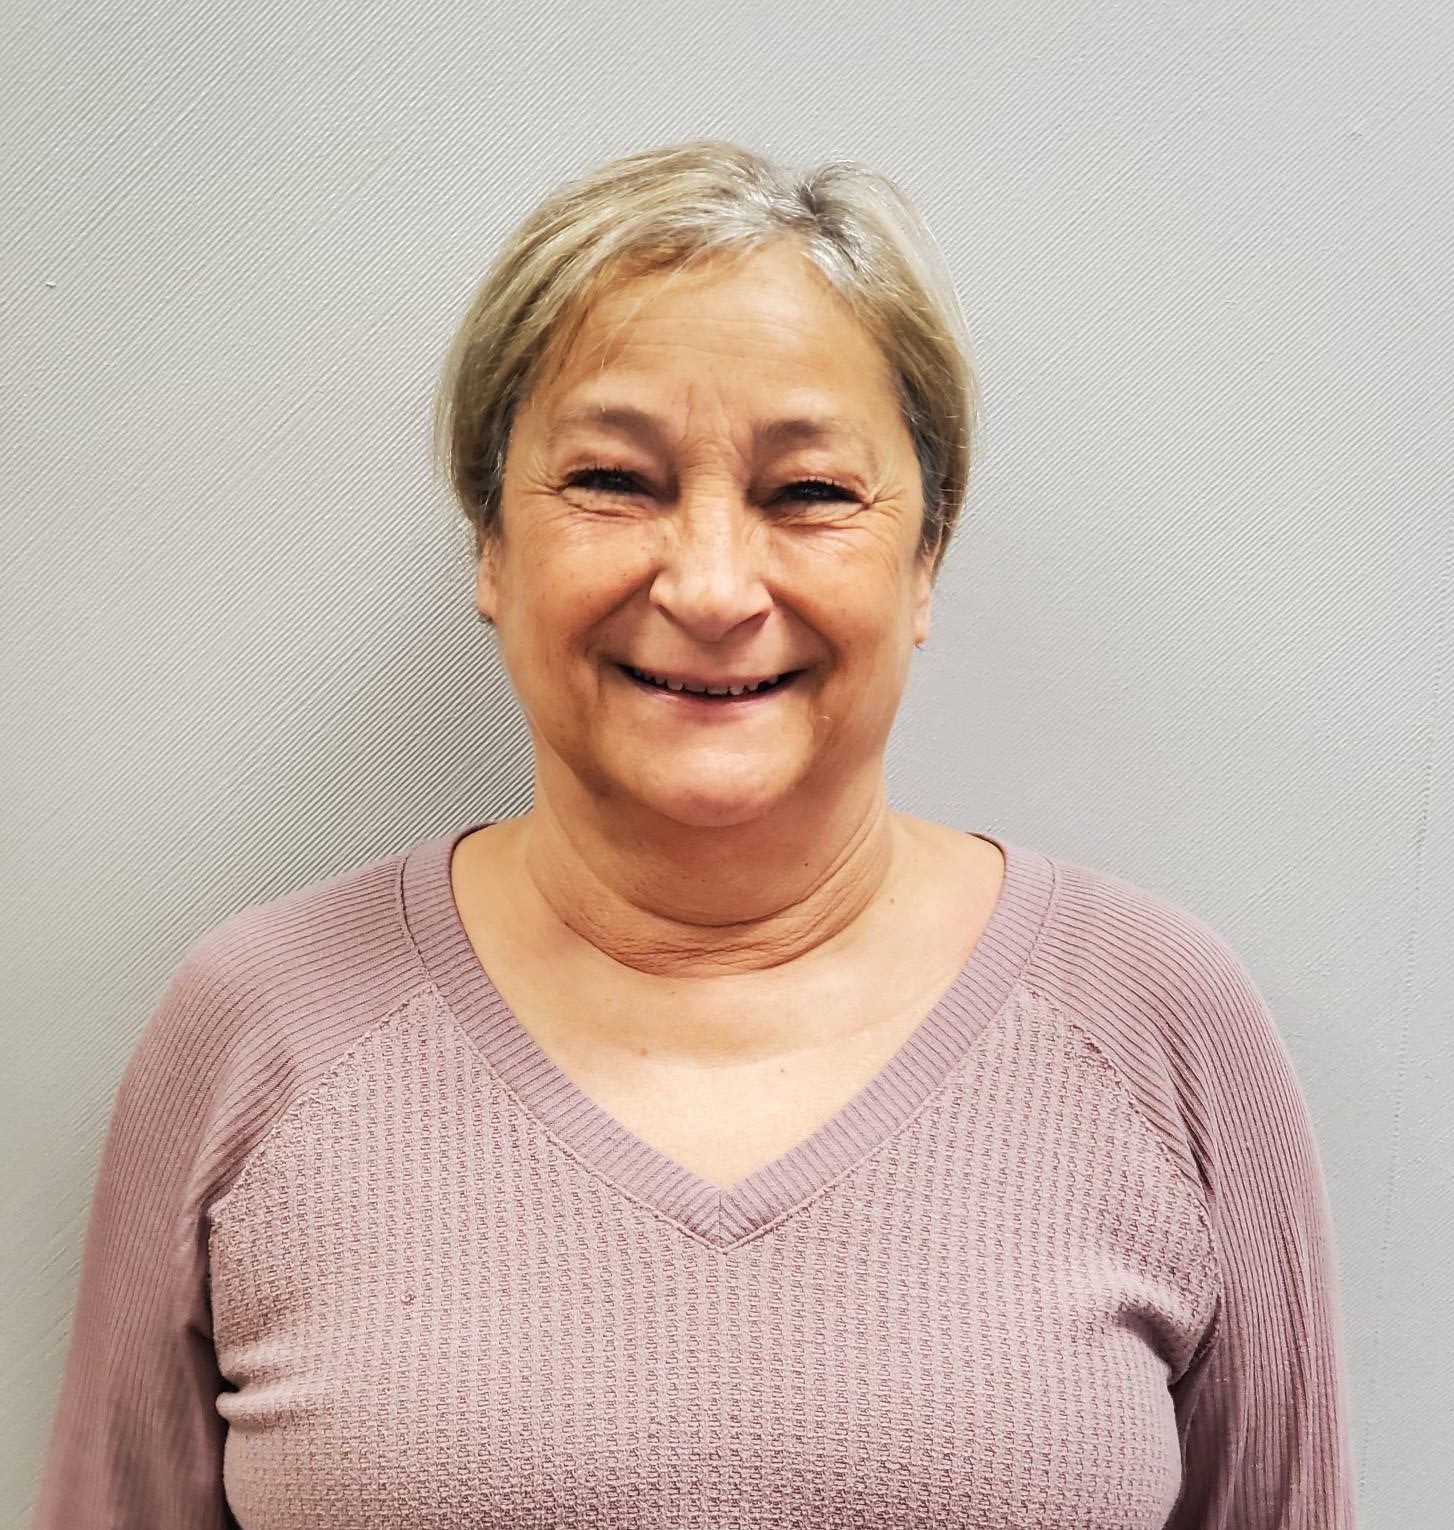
1196, 629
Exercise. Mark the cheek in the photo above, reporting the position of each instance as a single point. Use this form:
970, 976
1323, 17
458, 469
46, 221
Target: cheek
861, 605
563, 609
569, 584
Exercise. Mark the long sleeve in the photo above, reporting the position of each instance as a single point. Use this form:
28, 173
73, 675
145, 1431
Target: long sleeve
136, 1441
1263, 1408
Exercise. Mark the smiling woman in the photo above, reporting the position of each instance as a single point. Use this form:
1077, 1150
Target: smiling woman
710, 1145
730, 525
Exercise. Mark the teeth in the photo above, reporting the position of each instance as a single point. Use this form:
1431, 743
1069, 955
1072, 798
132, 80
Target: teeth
702, 690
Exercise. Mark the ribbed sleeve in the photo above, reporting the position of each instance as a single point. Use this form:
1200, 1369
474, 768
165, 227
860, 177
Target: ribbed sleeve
256, 1010
1264, 1408
137, 1440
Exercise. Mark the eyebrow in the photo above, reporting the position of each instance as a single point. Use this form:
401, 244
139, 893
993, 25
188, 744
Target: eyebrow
791, 430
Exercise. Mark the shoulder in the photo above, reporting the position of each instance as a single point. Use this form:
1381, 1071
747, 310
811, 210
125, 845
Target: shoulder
1122, 949
1172, 1006
260, 1007
339, 936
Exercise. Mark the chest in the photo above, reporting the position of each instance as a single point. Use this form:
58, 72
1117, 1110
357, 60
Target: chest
725, 1079
724, 1121
664, 1067
432, 1313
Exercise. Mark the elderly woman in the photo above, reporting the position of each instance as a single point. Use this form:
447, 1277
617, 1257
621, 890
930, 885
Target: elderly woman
710, 1145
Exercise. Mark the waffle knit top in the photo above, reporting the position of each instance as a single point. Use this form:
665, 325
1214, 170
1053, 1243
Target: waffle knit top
360, 1255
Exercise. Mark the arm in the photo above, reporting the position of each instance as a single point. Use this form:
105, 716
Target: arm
1263, 1409
136, 1442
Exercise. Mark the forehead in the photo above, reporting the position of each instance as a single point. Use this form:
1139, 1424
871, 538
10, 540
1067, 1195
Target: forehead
581, 412
764, 334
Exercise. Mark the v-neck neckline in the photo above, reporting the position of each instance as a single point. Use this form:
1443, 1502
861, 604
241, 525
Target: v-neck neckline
597, 1138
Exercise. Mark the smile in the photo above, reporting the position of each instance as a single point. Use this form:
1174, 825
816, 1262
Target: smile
713, 695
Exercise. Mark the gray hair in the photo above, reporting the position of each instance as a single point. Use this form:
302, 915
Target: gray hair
662, 209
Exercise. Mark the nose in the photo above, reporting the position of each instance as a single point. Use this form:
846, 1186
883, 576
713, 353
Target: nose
710, 576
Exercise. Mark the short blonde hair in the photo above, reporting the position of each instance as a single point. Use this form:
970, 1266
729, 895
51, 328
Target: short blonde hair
663, 208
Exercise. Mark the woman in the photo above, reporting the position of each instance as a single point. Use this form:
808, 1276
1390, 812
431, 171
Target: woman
710, 1145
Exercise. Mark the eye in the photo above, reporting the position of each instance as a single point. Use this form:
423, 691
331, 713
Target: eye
591, 478
617, 481
833, 490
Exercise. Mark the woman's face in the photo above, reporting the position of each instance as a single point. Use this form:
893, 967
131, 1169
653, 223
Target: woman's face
717, 485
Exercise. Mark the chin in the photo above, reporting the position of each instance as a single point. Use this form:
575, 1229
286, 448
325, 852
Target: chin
722, 817
695, 805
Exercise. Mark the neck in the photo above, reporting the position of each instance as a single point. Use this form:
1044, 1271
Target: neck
670, 900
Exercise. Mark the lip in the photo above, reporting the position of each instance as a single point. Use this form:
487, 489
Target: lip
710, 703
719, 683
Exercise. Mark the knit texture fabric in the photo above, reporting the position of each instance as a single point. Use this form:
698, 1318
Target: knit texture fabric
360, 1255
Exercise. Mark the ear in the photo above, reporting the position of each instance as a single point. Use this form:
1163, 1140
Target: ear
487, 583
923, 596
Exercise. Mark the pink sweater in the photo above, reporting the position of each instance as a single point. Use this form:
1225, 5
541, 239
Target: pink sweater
361, 1255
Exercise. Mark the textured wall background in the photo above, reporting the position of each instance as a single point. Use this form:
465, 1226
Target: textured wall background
1196, 629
